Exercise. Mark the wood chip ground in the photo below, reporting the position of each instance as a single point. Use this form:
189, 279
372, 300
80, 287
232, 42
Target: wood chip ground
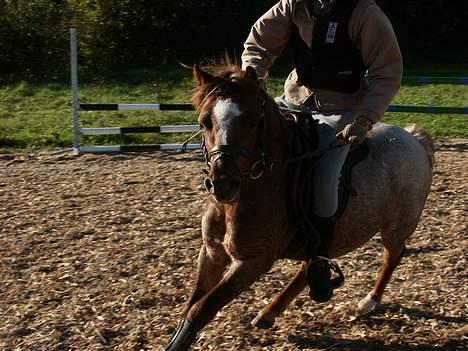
99, 252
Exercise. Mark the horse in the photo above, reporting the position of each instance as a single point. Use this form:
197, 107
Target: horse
245, 224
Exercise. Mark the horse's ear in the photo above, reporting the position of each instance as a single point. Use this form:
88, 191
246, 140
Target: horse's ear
250, 73
201, 76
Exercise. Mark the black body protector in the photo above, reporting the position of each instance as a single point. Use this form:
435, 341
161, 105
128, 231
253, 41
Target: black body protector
333, 62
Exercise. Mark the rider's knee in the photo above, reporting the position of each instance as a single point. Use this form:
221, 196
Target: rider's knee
327, 207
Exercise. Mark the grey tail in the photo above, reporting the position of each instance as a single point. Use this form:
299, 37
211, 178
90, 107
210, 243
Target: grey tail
424, 138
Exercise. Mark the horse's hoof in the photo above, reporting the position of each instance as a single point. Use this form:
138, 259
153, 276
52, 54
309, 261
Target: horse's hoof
261, 322
367, 305
183, 337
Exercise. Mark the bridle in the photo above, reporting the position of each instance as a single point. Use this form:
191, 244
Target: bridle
263, 162
223, 151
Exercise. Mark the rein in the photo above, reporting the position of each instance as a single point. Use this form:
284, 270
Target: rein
300, 170
302, 139
314, 153
259, 166
263, 163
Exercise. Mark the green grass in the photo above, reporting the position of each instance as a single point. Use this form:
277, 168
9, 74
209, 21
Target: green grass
38, 115
440, 125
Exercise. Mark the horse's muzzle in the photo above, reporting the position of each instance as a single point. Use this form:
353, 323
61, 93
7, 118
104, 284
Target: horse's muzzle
224, 188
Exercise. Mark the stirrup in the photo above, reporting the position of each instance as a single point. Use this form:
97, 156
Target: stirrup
318, 275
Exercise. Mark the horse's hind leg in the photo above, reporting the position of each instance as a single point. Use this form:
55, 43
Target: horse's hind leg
394, 247
266, 317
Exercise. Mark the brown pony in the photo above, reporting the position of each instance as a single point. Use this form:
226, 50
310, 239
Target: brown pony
246, 226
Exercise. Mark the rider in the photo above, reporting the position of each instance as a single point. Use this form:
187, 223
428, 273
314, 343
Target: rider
348, 67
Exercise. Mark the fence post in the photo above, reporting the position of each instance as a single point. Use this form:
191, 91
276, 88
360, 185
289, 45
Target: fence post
74, 87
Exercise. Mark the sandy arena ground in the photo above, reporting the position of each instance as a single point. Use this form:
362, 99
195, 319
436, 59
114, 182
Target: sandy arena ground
98, 253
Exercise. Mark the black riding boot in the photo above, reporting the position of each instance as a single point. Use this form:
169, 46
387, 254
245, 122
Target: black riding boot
319, 277
319, 269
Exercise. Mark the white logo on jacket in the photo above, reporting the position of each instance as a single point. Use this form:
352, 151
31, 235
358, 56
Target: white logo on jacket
332, 26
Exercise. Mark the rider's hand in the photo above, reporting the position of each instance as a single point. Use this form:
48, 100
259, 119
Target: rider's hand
356, 132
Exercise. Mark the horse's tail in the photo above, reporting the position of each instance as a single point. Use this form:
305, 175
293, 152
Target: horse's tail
424, 138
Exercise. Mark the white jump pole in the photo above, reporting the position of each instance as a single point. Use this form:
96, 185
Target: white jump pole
74, 86
77, 107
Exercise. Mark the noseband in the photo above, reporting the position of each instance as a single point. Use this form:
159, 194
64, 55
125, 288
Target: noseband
224, 151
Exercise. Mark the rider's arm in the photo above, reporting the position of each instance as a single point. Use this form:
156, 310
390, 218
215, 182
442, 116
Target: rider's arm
268, 37
373, 33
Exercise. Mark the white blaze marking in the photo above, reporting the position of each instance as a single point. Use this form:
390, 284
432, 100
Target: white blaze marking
225, 112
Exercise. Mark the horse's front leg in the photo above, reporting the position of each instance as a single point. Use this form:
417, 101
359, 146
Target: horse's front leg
211, 266
241, 274
212, 259
212, 263
266, 317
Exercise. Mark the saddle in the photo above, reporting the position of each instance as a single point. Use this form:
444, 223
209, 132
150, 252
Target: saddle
315, 231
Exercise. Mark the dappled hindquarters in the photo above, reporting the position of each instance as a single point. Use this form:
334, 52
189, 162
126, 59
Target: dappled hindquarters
99, 253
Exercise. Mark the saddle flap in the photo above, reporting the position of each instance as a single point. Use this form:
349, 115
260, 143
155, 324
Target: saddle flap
345, 188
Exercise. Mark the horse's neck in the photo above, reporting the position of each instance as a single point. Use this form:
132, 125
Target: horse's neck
280, 135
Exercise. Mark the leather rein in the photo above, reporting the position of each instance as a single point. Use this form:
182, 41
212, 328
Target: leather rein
263, 162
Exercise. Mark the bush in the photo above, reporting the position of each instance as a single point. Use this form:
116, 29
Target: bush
113, 34
31, 37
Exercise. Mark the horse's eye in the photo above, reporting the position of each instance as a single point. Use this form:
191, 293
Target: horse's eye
205, 121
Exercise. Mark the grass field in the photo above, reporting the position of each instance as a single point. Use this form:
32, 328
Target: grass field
38, 115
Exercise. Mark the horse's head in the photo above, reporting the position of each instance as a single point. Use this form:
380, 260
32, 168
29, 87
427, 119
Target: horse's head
231, 106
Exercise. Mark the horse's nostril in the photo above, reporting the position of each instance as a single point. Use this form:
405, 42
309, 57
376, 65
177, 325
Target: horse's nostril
209, 185
234, 183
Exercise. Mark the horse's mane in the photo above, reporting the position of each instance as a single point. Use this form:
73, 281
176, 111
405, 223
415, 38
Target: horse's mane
225, 74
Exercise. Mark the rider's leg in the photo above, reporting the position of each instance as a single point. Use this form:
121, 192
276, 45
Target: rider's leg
282, 102
328, 167
326, 181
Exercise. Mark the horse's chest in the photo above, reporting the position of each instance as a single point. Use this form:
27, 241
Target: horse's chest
242, 245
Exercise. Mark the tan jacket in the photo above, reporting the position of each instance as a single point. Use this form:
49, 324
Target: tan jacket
369, 29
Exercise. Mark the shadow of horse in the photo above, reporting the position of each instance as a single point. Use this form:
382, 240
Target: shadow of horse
459, 147
416, 313
327, 342
422, 250
405, 317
